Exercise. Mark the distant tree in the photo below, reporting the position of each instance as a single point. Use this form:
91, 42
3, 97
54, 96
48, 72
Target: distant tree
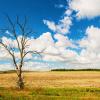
16, 28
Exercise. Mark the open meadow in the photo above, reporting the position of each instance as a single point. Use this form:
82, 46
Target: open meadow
55, 85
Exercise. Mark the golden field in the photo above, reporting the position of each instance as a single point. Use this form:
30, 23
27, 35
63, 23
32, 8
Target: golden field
54, 79
54, 85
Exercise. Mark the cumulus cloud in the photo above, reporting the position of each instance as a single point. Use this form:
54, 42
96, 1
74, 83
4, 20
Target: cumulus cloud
86, 9
30, 66
51, 50
56, 48
51, 25
58, 51
89, 56
68, 12
63, 25
91, 45
62, 41
92, 40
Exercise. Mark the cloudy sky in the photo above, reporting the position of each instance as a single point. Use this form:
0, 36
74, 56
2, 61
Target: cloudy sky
67, 30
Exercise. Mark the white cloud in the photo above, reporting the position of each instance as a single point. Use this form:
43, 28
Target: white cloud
51, 50
4, 53
92, 40
86, 8
68, 12
62, 41
68, 54
63, 25
4, 67
51, 25
58, 51
30, 66
42, 42
53, 58
36, 66
91, 43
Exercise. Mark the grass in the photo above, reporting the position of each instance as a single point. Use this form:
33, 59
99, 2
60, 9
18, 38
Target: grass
78, 85
50, 94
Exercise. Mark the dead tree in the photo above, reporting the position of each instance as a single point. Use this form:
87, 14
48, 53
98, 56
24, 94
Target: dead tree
21, 45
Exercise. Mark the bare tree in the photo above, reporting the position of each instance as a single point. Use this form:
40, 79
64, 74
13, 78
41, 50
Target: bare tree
21, 45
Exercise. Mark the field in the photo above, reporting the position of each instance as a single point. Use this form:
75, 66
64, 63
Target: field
56, 85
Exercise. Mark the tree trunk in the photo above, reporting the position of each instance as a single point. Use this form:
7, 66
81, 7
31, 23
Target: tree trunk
20, 79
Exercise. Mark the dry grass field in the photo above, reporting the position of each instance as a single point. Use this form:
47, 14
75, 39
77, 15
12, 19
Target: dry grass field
75, 85
54, 79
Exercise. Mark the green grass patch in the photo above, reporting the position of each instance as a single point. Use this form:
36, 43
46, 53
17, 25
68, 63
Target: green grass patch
67, 93
51, 94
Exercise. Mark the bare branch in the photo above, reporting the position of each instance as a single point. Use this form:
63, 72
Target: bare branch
14, 31
20, 25
33, 52
5, 46
25, 22
12, 54
10, 21
22, 44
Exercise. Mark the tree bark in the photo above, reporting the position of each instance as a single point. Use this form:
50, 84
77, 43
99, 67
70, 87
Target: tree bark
20, 79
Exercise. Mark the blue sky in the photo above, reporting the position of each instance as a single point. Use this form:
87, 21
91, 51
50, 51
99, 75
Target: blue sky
37, 10
34, 9
70, 27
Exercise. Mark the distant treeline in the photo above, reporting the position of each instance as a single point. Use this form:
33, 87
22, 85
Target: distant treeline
11, 71
75, 69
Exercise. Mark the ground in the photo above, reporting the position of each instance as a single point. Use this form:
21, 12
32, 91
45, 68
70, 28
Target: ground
60, 85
